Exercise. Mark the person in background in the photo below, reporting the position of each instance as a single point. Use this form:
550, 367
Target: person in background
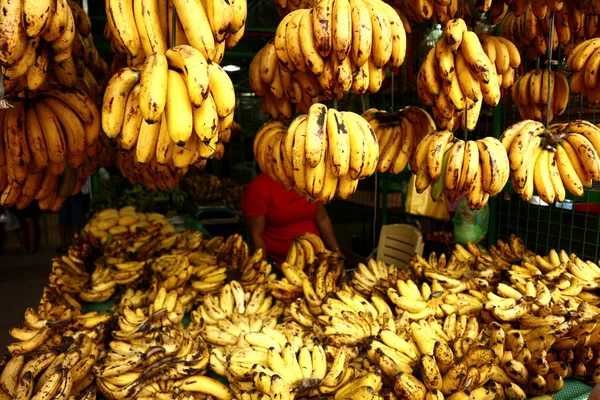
27, 232
71, 216
275, 217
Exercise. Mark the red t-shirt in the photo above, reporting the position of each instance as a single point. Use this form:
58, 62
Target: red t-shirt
287, 215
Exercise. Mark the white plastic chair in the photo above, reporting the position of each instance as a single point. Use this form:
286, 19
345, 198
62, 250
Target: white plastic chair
398, 243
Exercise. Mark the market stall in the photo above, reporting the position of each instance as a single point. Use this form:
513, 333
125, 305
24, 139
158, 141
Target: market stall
444, 155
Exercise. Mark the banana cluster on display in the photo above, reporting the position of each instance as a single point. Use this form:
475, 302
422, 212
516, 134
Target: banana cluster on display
529, 24
398, 135
530, 94
531, 33
176, 109
48, 148
443, 11
476, 168
323, 52
47, 43
477, 324
554, 160
584, 63
457, 75
139, 29
119, 223
320, 154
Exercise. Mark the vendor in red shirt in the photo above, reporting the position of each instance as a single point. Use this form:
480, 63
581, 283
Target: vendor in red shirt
276, 216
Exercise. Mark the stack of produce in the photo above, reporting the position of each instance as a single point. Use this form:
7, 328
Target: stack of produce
323, 52
49, 146
476, 168
433, 330
457, 75
398, 135
210, 190
45, 43
584, 61
530, 94
564, 156
140, 29
319, 154
119, 223
175, 118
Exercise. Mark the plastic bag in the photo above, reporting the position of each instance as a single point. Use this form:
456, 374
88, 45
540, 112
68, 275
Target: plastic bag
470, 225
12, 222
422, 204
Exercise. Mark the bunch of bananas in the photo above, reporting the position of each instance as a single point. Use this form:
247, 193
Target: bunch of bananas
48, 42
52, 373
442, 11
530, 94
578, 350
477, 168
139, 30
565, 156
531, 33
398, 135
68, 274
310, 269
320, 154
303, 252
504, 55
222, 318
457, 76
377, 274
323, 52
453, 274
177, 118
120, 223
583, 61
48, 148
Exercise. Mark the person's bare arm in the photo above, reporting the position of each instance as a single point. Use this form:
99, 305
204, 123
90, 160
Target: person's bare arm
325, 228
256, 228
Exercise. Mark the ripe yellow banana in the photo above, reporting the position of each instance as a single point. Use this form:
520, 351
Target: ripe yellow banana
195, 22
153, 87
178, 109
115, 97
221, 89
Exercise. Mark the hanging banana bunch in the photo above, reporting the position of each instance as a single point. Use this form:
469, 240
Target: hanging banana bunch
177, 110
551, 161
457, 76
476, 168
48, 43
320, 154
398, 135
323, 52
530, 94
139, 28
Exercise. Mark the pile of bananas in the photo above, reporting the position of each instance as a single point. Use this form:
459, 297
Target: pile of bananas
457, 76
48, 148
320, 154
398, 135
584, 62
476, 168
175, 118
121, 223
323, 52
530, 94
565, 156
138, 29
52, 373
46, 43
377, 275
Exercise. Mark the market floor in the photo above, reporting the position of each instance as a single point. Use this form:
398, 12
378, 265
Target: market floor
22, 278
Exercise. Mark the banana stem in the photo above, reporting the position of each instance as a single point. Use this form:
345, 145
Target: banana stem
174, 26
549, 61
